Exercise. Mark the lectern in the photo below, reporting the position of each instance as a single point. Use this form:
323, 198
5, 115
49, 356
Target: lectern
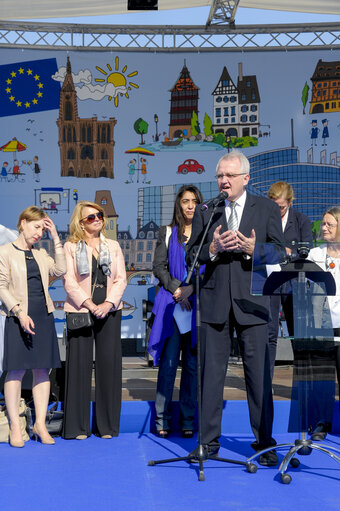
310, 286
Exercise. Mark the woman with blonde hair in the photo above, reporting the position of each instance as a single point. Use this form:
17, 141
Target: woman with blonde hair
327, 256
296, 228
30, 338
94, 285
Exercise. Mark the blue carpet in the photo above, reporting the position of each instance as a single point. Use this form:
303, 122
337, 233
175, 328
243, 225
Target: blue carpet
113, 474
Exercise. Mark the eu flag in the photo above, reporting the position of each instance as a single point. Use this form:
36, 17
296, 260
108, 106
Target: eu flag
28, 87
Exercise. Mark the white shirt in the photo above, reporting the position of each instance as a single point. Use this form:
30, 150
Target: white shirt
319, 256
284, 220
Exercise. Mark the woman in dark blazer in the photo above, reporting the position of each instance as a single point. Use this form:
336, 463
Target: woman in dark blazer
296, 227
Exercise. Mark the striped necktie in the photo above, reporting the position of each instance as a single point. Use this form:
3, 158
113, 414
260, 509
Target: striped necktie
232, 222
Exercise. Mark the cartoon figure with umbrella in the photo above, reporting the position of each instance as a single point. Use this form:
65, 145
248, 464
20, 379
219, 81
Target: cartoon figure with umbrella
140, 151
12, 147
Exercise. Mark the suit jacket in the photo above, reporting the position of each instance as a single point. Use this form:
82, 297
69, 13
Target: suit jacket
227, 279
78, 287
298, 228
13, 275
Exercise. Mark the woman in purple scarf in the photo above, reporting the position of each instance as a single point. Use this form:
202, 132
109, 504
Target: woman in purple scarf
171, 330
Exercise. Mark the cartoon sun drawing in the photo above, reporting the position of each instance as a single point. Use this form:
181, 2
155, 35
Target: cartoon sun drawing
118, 79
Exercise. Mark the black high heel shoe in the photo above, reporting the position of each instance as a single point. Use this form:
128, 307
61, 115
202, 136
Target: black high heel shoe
163, 433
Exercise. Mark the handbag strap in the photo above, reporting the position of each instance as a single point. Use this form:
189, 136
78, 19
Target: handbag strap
95, 279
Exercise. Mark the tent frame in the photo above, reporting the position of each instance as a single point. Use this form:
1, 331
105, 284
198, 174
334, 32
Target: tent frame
139, 38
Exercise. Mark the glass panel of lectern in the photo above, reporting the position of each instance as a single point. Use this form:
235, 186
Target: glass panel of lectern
309, 277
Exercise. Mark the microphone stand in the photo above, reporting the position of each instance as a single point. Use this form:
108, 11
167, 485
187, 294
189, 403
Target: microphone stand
199, 455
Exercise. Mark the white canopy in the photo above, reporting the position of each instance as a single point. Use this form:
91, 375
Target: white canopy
42, 9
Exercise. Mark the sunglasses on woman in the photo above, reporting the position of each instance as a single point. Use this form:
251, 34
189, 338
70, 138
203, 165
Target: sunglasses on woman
91, 218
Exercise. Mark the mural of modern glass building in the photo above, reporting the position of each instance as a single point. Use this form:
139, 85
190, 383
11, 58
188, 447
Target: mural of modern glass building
156, 203
316, 185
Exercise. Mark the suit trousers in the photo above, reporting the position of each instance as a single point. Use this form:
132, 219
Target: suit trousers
273, 325
108, 374
215, 351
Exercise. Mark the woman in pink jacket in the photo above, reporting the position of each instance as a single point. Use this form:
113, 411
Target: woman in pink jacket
94, 282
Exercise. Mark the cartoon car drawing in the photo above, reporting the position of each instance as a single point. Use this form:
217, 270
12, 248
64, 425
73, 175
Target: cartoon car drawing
190, 166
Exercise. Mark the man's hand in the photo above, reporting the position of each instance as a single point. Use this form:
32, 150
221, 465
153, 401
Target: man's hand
225, 242
244, 244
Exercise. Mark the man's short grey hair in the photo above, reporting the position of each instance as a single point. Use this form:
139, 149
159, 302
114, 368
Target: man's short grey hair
236, 154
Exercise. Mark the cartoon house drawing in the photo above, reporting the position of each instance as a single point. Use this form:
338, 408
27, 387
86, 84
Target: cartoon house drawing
326, 88
86, 145
103, 197
139, 252
236, 108
183, 102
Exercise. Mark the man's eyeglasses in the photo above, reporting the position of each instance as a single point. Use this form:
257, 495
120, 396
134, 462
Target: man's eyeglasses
91, 218
229, 175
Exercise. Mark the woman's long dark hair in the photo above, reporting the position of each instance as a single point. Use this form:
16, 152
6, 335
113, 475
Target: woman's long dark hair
178, 219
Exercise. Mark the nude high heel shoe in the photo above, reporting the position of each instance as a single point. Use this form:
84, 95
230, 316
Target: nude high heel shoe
44, 438
15, 443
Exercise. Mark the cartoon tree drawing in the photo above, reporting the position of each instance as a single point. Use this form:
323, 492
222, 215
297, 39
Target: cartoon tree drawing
141, 128
304, 96
195, 126
207, 123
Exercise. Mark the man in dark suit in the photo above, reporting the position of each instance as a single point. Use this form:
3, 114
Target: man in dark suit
227, 305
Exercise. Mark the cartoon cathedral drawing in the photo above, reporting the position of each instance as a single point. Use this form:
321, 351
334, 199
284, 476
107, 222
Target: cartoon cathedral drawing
104, 198
183, 102
236, 107
86, 145
326, 88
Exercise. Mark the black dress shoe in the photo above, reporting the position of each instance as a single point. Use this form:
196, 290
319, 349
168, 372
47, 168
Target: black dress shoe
187, 433
319, 432
209, 451
268, 459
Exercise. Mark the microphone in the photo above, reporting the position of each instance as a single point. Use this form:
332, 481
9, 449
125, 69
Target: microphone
213, 202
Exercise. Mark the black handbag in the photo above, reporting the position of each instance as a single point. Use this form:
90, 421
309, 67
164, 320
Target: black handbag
54, 420
77, 320
54, 417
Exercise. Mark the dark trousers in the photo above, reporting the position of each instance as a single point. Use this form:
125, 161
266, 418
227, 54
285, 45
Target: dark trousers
108, 373
166, 379
273, 325
215, 351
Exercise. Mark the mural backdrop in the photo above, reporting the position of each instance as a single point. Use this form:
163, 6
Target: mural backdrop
126, 130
